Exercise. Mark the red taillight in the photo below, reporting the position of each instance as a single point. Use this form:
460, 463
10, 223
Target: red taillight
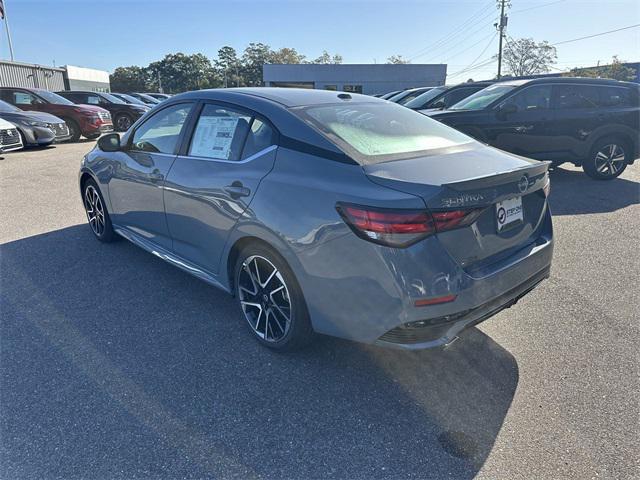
401, 228
452, 219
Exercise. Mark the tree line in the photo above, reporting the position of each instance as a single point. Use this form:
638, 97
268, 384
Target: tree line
179, 72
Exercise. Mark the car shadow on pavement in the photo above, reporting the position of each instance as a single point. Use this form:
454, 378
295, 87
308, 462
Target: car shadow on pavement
574, 193
115, 364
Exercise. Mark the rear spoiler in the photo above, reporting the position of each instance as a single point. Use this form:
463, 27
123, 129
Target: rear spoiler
481, 191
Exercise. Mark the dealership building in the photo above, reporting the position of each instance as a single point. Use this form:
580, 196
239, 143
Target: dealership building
369, 79
68, 77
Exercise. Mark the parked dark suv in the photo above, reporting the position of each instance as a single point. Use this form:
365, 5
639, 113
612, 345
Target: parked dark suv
443, 97
88, 120
123, 114
589, 122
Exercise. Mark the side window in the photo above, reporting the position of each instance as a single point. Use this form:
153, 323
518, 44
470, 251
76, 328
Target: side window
24, 98
576, 96
615, 97
160, 133
93, 99
537, 97
76, 97
260, 137
220, 133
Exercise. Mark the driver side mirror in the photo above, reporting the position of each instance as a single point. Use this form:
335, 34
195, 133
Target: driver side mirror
440, 105
109, 142
507, 109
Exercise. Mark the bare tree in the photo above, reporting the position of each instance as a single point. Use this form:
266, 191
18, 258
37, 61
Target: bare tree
397, 59
526, 57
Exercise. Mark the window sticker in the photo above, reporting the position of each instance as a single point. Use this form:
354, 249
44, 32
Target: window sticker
213, 137
22, 98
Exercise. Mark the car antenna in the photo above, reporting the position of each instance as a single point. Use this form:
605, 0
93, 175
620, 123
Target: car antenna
344, 96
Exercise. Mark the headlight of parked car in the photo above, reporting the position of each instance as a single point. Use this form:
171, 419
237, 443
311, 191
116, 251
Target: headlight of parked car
34, 123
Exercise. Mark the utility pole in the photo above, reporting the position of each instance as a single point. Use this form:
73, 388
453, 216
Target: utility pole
3, 14
501, 25
159, 82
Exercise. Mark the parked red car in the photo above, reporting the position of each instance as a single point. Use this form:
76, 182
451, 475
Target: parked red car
83, 120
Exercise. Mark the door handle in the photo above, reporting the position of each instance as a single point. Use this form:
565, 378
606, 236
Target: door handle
237, 190
523, 128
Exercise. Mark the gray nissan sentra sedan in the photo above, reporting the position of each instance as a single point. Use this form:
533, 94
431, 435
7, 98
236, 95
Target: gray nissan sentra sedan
326, 212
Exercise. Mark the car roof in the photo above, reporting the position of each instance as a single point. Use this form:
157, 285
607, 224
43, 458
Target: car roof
288, 97
586, 81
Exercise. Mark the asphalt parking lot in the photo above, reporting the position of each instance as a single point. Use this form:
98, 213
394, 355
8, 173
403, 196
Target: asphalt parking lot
114, 364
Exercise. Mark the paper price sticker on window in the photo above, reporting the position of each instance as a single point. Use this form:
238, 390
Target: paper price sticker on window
213, 137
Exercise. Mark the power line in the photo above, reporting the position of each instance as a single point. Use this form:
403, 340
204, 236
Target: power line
481, 53
457, 44
492, 35
596, 35
457, 31
484, 63
539, 6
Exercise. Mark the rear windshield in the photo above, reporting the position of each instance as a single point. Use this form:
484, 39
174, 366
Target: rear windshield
380, 132
483, 98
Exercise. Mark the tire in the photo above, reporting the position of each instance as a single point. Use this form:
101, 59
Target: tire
608, 158
94, 204
122, 122
74, 130
93, 136
266, 291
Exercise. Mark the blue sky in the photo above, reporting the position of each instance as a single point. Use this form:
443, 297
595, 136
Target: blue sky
106, 34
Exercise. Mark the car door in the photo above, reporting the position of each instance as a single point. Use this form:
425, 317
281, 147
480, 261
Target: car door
135, 186
520, 123
212, 182
577, 115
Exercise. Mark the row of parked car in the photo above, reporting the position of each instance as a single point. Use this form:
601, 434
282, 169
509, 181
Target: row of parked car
592, 123
36, 117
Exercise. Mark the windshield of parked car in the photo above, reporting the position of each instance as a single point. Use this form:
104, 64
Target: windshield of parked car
421, 100
7, 107
149, 98
483, 98
54, 98
129, 99
113, 98
379, 132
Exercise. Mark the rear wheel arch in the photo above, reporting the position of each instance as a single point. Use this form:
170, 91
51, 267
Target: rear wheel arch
234, 253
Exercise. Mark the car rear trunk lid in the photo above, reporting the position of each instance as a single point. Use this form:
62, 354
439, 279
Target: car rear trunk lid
475, 178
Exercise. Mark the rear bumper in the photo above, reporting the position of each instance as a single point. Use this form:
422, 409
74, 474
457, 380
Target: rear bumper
445, 330
371, 297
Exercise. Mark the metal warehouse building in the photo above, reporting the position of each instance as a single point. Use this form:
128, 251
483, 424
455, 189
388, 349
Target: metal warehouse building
30, 75
358, 78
